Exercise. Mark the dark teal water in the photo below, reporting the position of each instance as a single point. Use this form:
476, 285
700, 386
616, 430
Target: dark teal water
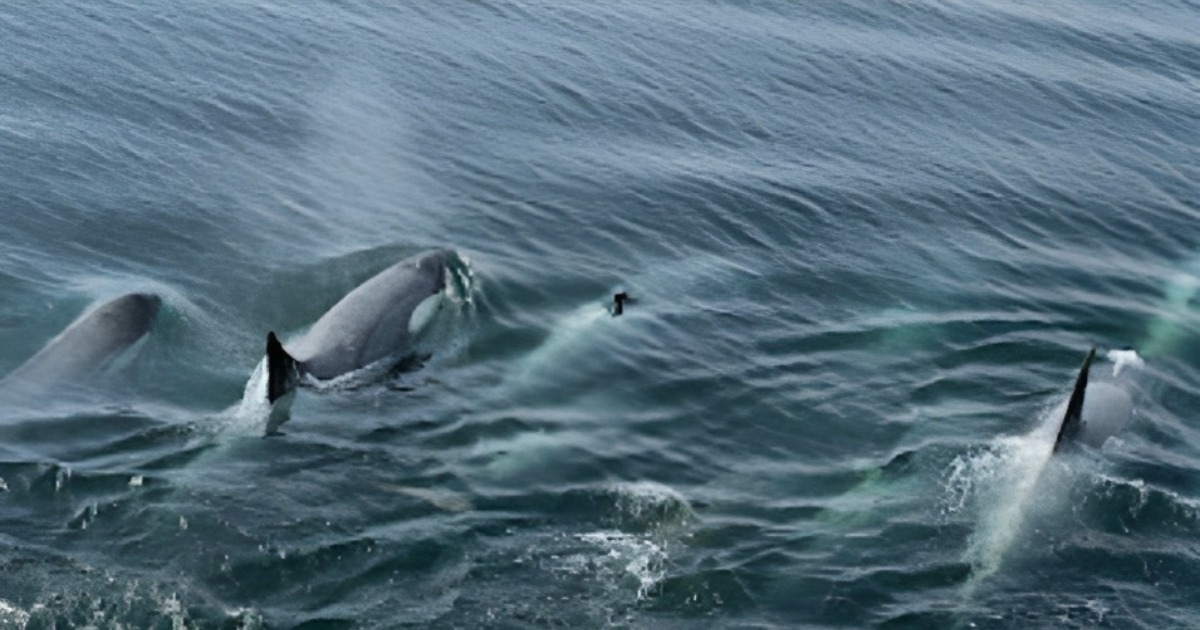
871, 242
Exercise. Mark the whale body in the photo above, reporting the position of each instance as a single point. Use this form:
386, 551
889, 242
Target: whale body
1097, 410
90, 344
376, 321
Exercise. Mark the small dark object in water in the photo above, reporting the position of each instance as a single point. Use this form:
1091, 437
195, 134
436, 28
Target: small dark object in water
619, 301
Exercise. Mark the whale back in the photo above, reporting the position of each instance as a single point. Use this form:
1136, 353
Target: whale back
91, 342
372, 322
1098, 410
1107, 408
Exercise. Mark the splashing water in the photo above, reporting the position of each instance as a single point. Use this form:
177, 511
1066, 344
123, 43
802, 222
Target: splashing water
1002, 480
648, 519
11, 615
1123, 359
626, 554
652, 507
254, 414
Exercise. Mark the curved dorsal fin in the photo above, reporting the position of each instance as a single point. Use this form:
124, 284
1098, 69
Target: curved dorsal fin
1073, 419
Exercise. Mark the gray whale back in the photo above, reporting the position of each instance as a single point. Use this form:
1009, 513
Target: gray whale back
1107, 408
1096, 410
373, 321
90, 343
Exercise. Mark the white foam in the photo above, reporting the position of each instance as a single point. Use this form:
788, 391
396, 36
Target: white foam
1125, 359
636, 556
11, 616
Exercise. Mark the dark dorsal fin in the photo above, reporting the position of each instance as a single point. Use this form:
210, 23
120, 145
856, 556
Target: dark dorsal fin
1073, 419
281, 369
619, 300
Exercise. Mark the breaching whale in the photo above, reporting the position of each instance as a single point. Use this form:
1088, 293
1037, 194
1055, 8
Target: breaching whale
374, 323
1097, 410
88, 345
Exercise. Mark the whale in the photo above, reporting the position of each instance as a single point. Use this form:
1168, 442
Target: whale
89, 345
1097, 410
376, 323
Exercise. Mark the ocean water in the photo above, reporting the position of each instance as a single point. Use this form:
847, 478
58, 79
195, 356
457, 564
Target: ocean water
869, 242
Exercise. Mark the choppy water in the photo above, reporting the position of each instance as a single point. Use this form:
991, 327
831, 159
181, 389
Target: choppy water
871, 242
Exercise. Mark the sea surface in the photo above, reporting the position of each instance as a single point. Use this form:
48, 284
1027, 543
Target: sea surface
869, 242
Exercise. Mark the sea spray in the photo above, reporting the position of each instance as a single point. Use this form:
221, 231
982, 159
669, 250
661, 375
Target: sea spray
1003, 483
647, 520
566, 342
255, 415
